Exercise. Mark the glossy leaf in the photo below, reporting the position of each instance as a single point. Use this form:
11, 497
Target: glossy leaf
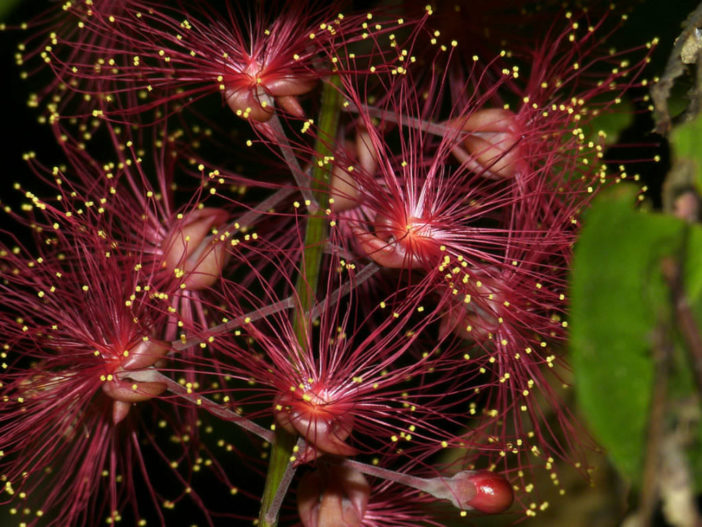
618, 298
686, 140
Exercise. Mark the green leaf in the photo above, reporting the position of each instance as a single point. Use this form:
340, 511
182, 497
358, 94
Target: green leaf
686, 140
618, 297
692, 282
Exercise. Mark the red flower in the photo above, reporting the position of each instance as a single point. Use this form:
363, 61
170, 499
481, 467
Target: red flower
357, 382
478, 207
48, 47
86, 319
76, 320
163, 54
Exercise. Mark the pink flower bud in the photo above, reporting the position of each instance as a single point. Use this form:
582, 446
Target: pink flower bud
492, 493
189, 249
495, 150
483, 491
333, 496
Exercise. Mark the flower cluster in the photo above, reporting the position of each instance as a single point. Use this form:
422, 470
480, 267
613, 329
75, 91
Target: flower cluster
334, 239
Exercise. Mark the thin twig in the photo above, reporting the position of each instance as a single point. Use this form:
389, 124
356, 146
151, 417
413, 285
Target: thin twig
281, 305
217, 410
301, 179
273, 510
414, 122
343, 290
270, 202
675, 67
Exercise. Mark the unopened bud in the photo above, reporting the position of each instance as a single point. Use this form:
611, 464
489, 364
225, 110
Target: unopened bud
483, 491
333, 496
190, 248
493, 146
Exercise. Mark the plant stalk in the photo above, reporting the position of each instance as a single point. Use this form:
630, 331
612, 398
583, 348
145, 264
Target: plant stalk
306, 286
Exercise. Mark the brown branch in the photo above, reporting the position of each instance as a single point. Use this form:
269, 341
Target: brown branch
675, 67
685, 318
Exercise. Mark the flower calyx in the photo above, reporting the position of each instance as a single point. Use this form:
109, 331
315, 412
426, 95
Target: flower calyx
408, 244
324, 424
249, 99
134, 379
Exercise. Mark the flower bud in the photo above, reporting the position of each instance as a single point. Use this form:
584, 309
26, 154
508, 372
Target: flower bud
333, 496
188, 248
494, 147
483, 491
492, 493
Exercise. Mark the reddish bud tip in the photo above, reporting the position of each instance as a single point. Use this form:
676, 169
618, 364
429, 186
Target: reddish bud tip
482, 491
493, 493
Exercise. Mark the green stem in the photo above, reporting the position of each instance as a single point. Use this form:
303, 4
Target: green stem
281, 450
306, 285
316, 230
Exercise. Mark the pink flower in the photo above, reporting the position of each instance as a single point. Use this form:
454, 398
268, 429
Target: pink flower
87, 318
358, 381
48, 47
254, 60
477, 208
76, 321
